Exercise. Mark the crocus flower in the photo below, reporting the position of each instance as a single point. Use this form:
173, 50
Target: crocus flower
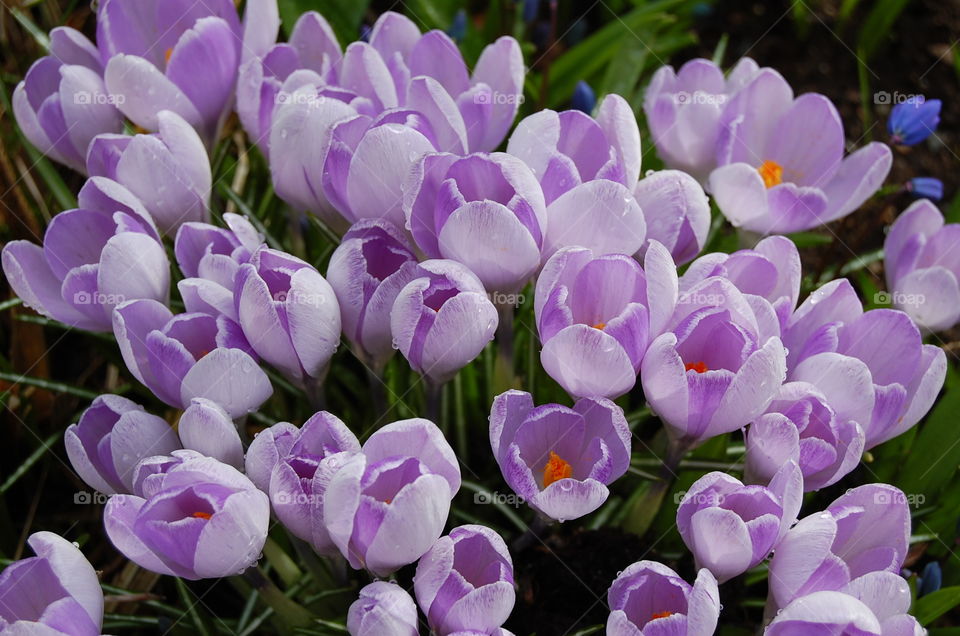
865, 530
199, 519
872, 366
596, 314
383, 609
111, 438
560, 460
186, 356
719, 364
288, 313
387, 505
683, 110
54, 593
465, 582
485, 211
676, 211
802, 427
648, 598
299, 477
62, 102
913, 121
268, 447
93, 258
587, 168
442, 319
184, 58
730, 527
781, 164
207, 428
373, 262
168, 171
922, 268
925, 187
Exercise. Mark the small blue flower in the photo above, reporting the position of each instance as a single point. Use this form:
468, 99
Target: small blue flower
913, 121
583, 98
458, 28
930, 580
925, 188
531, 8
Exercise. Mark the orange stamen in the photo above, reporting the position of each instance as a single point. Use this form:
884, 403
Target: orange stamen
556, 469
771, 172
600, 326
662, 615
201, 515
166, 56
699, 367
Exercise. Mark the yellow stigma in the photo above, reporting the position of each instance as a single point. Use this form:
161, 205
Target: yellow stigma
201, 515
771, 172
167, 54
600, 326
699, 367
662, 615
556, 469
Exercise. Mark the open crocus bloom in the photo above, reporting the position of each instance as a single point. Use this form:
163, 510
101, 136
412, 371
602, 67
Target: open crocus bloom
676, 211
197, 518
923, 267
383, 609
730, 527
559, 460
596, 315
872, 366
781, 164
650, 599
864, 531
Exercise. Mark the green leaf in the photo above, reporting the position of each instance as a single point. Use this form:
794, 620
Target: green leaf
877, 26
934, 456
810, 239
934, 605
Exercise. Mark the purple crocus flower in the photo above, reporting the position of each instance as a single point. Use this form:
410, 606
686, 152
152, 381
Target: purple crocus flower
54, 593
197, 519
485, 210
62, 102
185, 58
387, 505
288, 313
188, 356
730, 527
872, 366
111, 438
913, 121
923, 268
268, 447
373, 262
93, 258
560, 460
383, 609
775, 175
299, 477
168, 171
596, 314
442, 319
648, 598
802, 427
866, 530
465, 582
718, 365
676, 211
207, 428
683, 110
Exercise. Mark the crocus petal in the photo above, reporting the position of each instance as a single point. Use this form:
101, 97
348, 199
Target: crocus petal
146, 91
205, 427
600, 215
588, 362
230, 378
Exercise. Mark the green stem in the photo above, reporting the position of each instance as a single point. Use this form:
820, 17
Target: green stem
645, 507
503, 374
291, 613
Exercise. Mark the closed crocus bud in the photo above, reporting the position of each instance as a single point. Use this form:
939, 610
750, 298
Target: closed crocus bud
730, 527
866, 530
597, 314
55, 593
188, 356
802, 427
92, 259
650, 598
872, 366
683, 109
208, 429
288, 313
200, 519
383, 609
169, 170
111, 438
266, 449
373, 262
913, 121
485, 211
442, 319
62, 102
560, 460
921, 271
676, 211
465, 582
387, 505
587, 168
299, 477
719, 364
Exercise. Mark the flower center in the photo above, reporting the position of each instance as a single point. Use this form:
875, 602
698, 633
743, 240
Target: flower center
201, 515
662, 615
600, 326
771, 172
167, 54
556, 469
699, 367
